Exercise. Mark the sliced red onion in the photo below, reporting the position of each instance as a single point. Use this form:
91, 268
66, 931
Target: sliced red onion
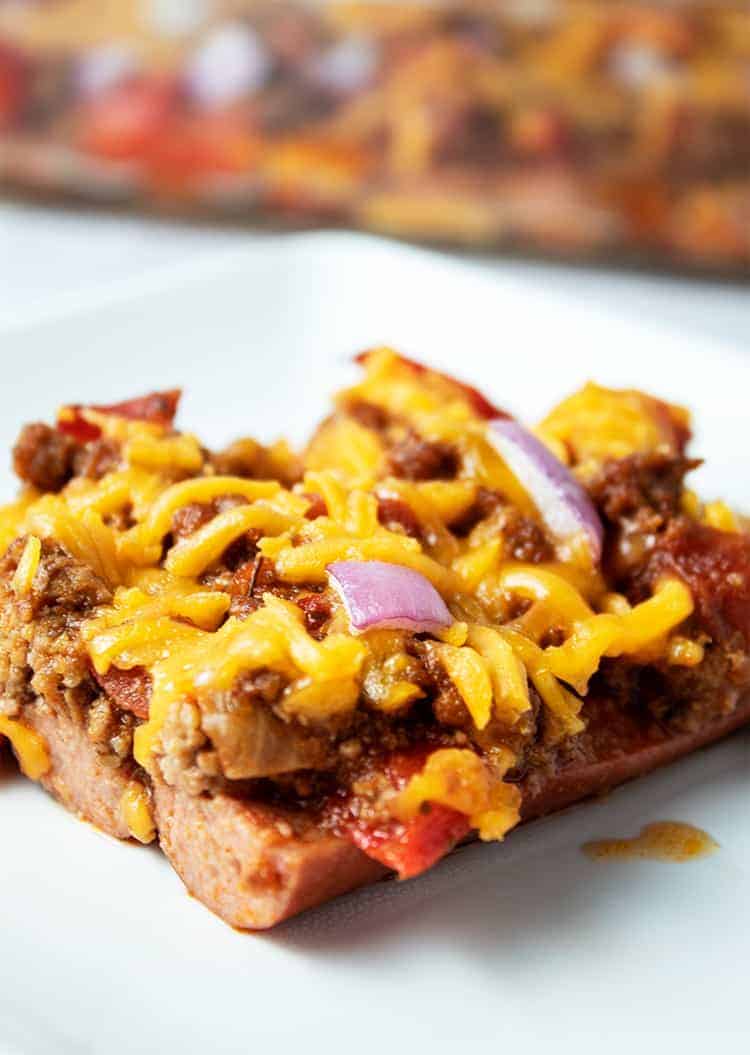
563, 504
231, 62
346, 67
379, 596
103, 68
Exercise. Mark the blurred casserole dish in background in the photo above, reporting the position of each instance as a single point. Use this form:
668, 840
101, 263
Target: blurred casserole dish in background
609, 130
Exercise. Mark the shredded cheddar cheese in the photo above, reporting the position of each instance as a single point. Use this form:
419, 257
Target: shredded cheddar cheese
470, 673
175, 454
460, 780
598, 423
23, 578
517, 628
715, 514
534, 583
563, 706
135, 807
30, 747
349, 448
12, 519
719, 515
193, 555
506, 670
142, 544
83, 534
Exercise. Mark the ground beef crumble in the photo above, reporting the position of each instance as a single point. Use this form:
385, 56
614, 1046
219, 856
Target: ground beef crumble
639, 484
396, 515
44, 457
257, 576
447, 706
369, 415
95, 459
43, 662
716, 567
524, 539
185, 753
249, 459
647, 536
188, 519
414, 458
637, 498
48, 459
316, 608
111, 729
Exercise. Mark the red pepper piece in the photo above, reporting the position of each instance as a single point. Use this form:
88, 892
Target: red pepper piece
157, 408
410, 849
413, 847
125, 123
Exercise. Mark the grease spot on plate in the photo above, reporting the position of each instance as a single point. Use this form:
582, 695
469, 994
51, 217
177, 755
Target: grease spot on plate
660, 841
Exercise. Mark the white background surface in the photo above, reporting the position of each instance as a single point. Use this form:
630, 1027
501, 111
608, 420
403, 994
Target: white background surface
48, 256
528, 946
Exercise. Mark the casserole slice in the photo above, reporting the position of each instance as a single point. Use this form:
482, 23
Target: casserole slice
304, 671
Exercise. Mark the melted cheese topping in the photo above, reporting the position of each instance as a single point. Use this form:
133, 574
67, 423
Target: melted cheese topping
29, 747
169, 612
12, 519
597, 423
135, 807
460, 780
23, 578
719, 515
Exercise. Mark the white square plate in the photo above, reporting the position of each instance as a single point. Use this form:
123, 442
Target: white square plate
529, 943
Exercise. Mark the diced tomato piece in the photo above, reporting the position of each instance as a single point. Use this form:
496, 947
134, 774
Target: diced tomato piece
71, 421
477, 401
130, 689
410, 849
14, 81
157, 408
201, 145
125, 122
